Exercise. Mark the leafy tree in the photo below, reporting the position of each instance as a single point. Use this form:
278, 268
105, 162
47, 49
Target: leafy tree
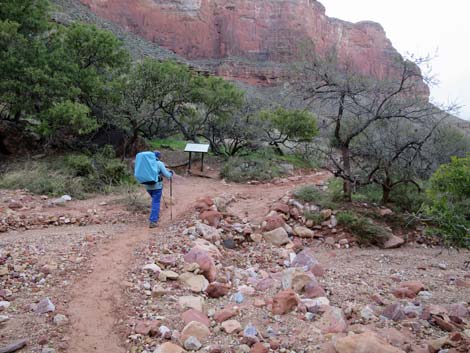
449, 201
47, 69
288, 126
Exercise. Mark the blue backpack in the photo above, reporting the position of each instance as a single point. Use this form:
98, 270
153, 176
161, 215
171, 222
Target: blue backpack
146, 169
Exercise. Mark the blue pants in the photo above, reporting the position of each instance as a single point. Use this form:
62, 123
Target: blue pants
156, 196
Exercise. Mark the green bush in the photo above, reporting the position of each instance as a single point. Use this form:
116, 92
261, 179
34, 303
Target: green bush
310, 193
77, 174
239, 169
313, 216
448, 203
365, 229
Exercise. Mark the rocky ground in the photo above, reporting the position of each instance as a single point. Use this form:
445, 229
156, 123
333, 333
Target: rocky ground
236, 270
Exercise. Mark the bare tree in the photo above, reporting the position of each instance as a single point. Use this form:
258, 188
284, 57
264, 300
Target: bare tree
354, 104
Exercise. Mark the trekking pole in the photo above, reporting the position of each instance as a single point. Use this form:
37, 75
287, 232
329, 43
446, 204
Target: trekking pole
171, 198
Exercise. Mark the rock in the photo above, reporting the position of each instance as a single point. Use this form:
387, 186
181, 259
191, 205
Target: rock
192, 344
208, 247
169, 347
196, 283
231, 326
225, 314
413, 286
332, 321
394, 312
238, 297
164, 332
259, 348
3, 318
296, 279
4, 305
229, 243
326, 214
367, 313
61, 320
208, 232
303, 232
205, 262
367, 342
458, 310
403, 293
284, 302
211, 217
44, 306
217, 290
195, 315
276, 237
385, 212
167, 260
196, 329
273, 222
165, 275
313, 305
48, 350
15, 205
147, 327
191, 302
393, 242
280, 207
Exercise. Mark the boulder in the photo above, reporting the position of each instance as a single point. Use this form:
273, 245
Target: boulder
273, 222
276, 237
204, 260
195, 329
367, 342
303, 232
207, 232
332, 321
211, 217
231, 326
191, 302
280, 207
208, 247
393, 242
195, 315
284, 302
169, 347
217, 290
196, 283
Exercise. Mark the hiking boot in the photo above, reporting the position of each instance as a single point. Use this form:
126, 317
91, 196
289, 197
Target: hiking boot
153, 225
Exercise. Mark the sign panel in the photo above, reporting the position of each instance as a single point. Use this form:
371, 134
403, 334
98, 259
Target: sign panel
197, 147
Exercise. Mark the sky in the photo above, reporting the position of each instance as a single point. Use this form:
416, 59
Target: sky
423, 27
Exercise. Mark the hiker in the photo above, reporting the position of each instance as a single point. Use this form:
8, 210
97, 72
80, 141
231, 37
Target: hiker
149, 170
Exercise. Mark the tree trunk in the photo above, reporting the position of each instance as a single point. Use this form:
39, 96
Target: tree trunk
386, 189
347, 187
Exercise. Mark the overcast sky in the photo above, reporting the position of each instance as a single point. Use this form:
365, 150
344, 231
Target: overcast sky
423, 27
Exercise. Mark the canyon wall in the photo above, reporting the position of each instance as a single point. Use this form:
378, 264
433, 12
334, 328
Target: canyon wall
251, 40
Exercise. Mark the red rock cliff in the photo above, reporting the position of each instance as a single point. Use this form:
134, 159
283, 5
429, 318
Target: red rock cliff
249, 37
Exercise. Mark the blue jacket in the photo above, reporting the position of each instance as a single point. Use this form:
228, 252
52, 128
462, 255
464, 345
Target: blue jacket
163, 171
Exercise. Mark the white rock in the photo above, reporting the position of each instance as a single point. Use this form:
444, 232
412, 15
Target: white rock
152, 268
61, 320
4, 318
4, 305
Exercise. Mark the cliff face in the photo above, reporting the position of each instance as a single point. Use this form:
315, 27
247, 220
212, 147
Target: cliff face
250, 40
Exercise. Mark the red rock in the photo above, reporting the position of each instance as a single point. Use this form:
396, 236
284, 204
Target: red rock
145, 328
280, 207
217, 290
413, 286
195, 315
314, 290
15, 205
206, 30
295, 213
225, 314
265, 284
367, 342
273, 222
403, 293
212, 218
205, 262
284, 302
462, 283
318, 270
259, 348
333, 321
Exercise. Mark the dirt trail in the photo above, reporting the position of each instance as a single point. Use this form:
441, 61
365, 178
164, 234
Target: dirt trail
96, 297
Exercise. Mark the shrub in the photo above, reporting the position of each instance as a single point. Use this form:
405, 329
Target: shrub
448, 203
310, 193
368, 232
243, 169
313, 216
